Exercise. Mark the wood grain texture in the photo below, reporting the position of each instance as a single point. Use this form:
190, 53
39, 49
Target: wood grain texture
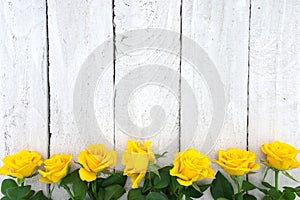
274, 76
221, 29
164, 15
76, 28
23, 79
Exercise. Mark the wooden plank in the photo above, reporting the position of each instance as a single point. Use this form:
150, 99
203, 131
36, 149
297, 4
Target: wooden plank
223, 34
146, 108
221, 30
23, 79
274, 76
76, 29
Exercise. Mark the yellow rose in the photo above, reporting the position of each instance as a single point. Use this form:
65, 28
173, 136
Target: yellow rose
136, 160
21, 165
94, 160
56, 168
191, 166
237, 162
280, 156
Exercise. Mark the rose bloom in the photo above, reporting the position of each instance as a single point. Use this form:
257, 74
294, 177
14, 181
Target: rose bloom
95, 159
136, 160
21, 165
191, 166
280, 156
56, 168
237, 162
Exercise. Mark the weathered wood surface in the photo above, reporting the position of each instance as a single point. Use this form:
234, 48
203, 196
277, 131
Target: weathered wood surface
221, 29
76, 28
253, 47
23, 78
274, 77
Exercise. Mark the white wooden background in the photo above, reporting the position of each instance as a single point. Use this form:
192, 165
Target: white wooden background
43, 43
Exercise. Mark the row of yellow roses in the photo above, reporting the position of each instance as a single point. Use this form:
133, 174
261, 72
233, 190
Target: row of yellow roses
188, 166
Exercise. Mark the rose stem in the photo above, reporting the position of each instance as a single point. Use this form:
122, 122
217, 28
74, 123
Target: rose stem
276, 179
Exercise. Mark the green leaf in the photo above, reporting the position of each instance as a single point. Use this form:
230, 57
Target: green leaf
99, 182
154, 168
221, 187
147, 184
289, 176
71, 178
247, 186
161, 181
203, 188
156, 196
79, 189
39, 196
100, 194
135, 194
31, 193
249, 197
192, 192
175, 187
297, 188
195, 186
267, 198
188, 198
20, 180
115, 179
274, 193
290, 189
238, 180
287, 195
113, 192
6, 184
267, 185
238, 196
263, 190
19, 193
171, 197
166, 169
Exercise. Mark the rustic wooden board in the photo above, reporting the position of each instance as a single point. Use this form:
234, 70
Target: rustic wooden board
221, 29
23, 79
76, 28
274, 76
146, 60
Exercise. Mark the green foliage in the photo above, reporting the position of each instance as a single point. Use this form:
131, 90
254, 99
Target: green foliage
136, 194
221, 187
156, 196
161, 185
273, 192
161, 181
110, 188
113, 192
79, 187
6, 184
114, 179
12, 191
158, 185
